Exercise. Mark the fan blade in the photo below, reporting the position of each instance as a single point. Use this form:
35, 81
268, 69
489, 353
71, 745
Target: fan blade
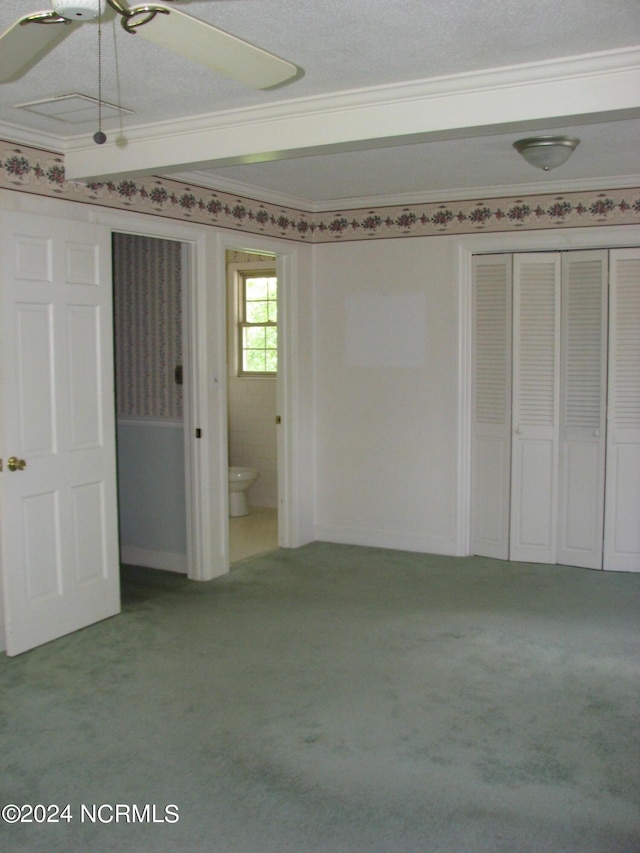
214, 48
27, 41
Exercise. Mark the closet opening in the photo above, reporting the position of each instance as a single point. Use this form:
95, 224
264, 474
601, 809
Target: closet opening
555, 459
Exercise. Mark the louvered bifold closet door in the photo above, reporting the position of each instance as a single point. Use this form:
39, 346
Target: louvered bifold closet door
491, 451
535, 416
622, 506
582, 408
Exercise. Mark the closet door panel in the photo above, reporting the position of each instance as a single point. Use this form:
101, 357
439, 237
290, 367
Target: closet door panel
582, 408
491, 450
622, 505
536, 338
532, 511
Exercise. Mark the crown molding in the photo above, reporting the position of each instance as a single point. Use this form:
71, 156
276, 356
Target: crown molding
36, 139
471, 193
241, 189
562, 187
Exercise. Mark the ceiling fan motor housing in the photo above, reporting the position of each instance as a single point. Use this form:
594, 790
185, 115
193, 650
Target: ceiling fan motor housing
78, 10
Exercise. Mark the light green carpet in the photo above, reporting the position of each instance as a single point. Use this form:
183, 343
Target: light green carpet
339, 699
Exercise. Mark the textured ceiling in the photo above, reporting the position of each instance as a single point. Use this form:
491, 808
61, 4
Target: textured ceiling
342, 46
443, 169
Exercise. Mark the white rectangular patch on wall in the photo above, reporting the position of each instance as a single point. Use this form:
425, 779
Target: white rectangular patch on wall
386, 331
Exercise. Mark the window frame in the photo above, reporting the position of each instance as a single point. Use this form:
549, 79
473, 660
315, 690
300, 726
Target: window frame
242, 275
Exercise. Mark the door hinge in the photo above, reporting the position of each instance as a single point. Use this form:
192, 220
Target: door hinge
198, 433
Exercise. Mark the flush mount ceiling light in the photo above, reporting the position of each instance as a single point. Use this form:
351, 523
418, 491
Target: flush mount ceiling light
546, 152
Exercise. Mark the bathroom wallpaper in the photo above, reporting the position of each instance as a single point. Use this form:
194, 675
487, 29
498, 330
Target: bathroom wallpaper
36, 171
147, 276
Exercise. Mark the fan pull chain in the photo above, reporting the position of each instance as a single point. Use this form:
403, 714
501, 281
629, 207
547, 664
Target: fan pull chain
99, 137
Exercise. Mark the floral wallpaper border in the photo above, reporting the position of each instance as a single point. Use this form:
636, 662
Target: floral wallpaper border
40, 172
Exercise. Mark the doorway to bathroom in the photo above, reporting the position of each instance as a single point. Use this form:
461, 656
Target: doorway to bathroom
252, 352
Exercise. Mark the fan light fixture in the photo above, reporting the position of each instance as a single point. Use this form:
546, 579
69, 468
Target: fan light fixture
546, 152
83, 10
31, 37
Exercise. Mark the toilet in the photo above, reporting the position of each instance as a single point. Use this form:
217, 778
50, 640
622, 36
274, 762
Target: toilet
240, 479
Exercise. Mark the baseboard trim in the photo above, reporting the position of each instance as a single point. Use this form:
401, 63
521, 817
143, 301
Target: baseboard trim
165, 560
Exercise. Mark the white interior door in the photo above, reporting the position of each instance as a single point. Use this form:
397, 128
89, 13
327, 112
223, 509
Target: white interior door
622, 511
583, 386
59, 539
491, 452
536, 347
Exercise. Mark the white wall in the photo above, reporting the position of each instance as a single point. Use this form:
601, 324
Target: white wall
386, 363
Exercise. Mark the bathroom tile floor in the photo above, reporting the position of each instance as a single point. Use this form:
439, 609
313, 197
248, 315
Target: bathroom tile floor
253, 533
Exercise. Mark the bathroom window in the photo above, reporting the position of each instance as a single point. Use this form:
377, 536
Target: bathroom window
258, 323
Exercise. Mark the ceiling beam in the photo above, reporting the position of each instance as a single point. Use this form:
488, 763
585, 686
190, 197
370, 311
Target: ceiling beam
599, 87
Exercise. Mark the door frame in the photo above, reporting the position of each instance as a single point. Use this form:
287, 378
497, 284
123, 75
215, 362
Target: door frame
205, 554
285, 263
563, 239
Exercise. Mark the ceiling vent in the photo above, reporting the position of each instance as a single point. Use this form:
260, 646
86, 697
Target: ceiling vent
73, 109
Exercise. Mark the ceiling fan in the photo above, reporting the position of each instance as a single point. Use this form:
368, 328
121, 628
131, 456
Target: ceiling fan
33, 36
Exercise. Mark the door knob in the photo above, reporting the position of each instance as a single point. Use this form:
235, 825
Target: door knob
15, 464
